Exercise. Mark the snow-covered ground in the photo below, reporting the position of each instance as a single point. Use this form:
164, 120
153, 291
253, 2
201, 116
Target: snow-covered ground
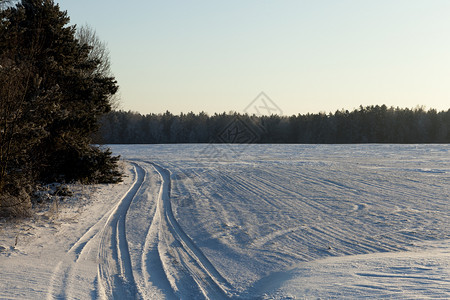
248, 221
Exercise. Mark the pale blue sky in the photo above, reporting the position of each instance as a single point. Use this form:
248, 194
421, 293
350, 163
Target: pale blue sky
307, 56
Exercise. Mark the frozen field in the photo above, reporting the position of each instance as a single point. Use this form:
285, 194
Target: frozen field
252, 222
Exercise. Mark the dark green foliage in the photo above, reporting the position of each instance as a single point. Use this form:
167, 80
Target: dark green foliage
92, 165
51, 99
371, 124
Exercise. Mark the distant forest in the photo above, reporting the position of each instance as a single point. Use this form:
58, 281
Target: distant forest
371, 124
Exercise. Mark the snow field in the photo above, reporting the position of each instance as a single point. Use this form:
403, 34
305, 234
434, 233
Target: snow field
256, 221
272, 209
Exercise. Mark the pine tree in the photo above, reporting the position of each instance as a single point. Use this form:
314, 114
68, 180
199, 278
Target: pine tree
51, 98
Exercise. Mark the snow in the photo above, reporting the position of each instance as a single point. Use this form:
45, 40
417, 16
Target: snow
244, 221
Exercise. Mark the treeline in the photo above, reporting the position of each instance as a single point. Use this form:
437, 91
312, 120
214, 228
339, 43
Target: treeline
371, 124
54, 85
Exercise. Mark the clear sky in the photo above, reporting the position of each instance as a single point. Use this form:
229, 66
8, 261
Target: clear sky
307, 56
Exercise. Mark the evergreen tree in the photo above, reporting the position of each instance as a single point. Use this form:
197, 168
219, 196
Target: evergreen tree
51, 98
371, 124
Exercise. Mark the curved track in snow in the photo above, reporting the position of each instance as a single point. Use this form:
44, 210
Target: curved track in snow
170, 266
105, 242
172, 257
115, 273
319, 222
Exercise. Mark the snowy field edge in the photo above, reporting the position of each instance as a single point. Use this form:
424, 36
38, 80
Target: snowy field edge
244, 221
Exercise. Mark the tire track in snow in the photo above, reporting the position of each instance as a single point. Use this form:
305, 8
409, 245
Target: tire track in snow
65, 271
115, 273
353, 240
156, 283
276, 234
107, 235
184, 251
336, 234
